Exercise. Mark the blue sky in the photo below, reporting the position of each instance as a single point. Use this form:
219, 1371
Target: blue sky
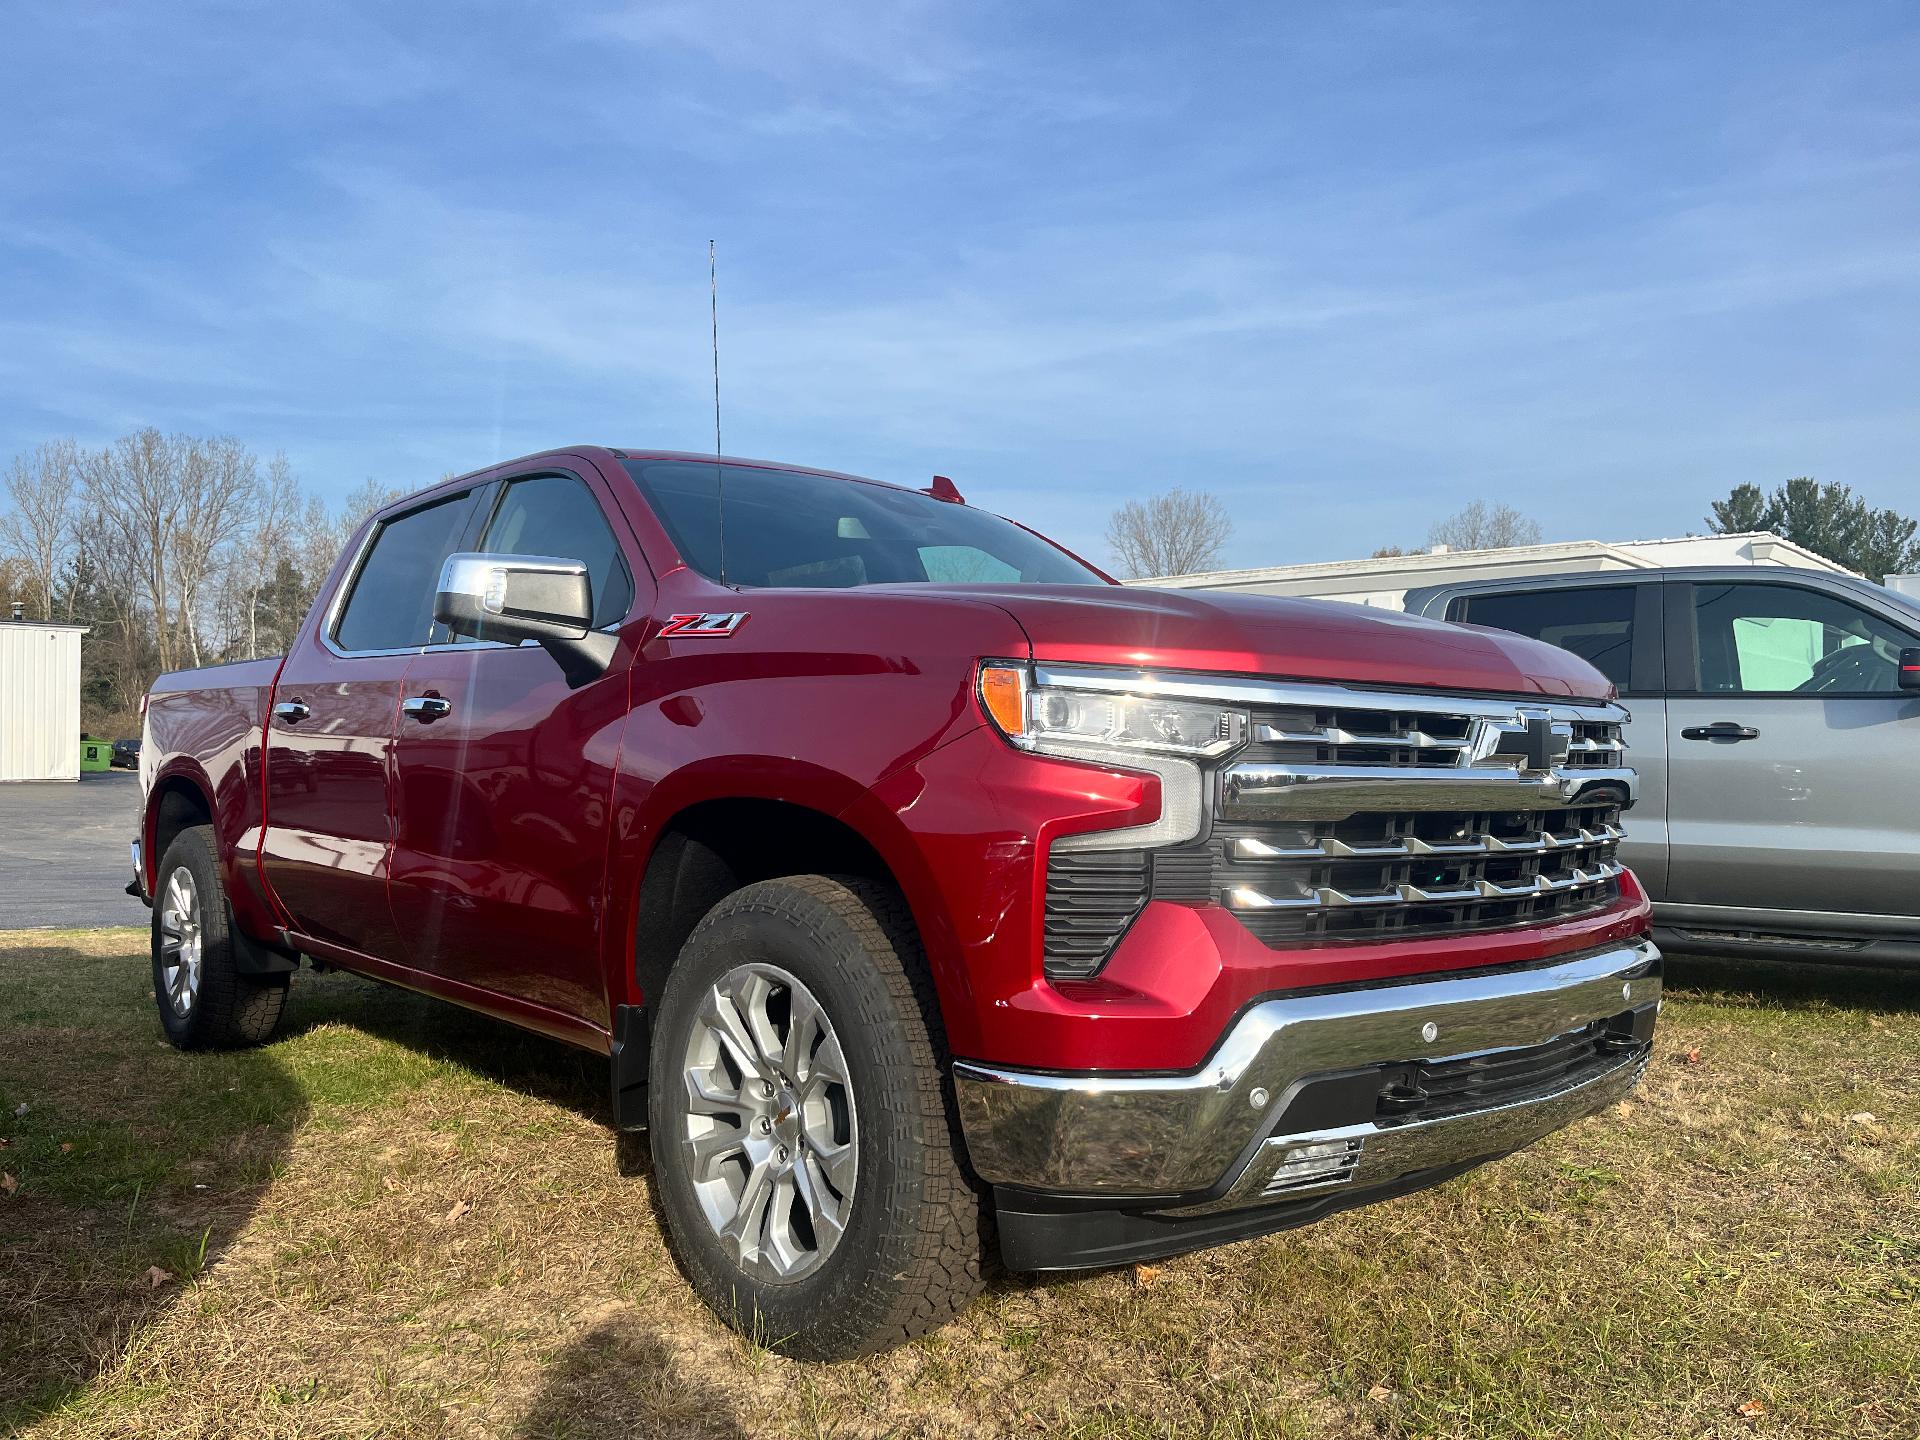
1346, 266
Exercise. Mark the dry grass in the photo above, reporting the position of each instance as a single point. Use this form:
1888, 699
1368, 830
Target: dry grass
1733, 1238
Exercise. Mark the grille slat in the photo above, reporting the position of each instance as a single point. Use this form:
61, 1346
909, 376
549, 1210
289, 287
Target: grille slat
1092, 897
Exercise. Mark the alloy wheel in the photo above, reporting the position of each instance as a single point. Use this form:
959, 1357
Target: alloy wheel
770, 1124
180, 941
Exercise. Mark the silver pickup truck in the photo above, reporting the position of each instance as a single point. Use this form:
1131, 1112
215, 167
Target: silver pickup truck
1776, 729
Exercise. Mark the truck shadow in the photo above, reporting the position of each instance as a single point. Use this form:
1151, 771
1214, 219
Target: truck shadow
1794, 985
533, 1065
620, 1381
132, 1166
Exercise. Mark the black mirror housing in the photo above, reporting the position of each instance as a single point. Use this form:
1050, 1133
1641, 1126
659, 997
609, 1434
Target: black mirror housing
1910, 668
515, 598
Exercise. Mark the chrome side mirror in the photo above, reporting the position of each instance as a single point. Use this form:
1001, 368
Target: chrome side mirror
514, 598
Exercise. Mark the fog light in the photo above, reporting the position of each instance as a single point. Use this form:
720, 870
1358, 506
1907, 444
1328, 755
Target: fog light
1320, 1162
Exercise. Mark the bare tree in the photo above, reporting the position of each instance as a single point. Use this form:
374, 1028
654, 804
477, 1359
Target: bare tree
266, 541
38, 531
1484, 527
1172, 534
219, 493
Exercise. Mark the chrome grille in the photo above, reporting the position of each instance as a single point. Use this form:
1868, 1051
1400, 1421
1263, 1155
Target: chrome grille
1357, 816
1466, 815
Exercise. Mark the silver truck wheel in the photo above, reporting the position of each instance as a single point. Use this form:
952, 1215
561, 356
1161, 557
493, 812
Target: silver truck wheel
770, 1126
179, 922
206, 999
805, 1156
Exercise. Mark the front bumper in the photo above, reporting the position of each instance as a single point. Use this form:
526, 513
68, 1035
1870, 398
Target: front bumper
1316, 1100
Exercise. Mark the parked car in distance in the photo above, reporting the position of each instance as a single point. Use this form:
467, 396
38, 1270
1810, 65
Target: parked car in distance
1776, 731
126, 754
913, 874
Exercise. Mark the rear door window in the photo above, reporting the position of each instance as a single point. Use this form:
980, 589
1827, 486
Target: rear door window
390, 606
1594, 623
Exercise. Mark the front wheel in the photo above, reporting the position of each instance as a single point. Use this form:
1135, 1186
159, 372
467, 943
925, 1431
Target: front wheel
206, 1002
800, 1130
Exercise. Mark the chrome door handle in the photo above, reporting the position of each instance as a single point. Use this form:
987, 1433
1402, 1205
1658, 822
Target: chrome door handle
291, 712
1720, 730
426, 708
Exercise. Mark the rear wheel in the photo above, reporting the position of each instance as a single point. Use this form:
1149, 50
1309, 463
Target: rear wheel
206, 1002
801, 1135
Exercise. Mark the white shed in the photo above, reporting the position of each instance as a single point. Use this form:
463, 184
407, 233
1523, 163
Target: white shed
39, 701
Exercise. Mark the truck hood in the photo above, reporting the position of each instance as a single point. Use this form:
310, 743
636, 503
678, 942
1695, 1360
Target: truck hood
1275, 636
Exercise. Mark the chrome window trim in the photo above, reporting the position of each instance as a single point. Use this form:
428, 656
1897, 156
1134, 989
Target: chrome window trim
336, 607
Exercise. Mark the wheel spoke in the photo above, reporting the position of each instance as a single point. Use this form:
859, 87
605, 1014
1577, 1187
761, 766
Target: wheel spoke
742, 1233
724, 1021
711, 1150
755, 991
704, 1097
784, 1249
803, 1031
828, 1065
823, 1208
836, 1164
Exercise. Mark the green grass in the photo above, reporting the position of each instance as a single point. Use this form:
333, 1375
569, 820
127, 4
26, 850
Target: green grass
1736, 1235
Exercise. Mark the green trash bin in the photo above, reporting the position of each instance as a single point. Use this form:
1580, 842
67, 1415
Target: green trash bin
95, 754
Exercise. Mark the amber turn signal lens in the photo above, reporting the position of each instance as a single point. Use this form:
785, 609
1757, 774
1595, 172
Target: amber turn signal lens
1003, 693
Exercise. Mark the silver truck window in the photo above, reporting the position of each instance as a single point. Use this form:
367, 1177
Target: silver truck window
1756, 639
1596, 624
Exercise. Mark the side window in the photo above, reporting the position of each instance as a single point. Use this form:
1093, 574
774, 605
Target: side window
1596, 624
558, 516
390, 606
1783, 640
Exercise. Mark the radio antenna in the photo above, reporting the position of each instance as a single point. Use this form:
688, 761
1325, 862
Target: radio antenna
719, 472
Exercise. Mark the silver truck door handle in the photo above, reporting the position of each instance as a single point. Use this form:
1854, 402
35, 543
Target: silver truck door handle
1720, 730
291, 712
426, 708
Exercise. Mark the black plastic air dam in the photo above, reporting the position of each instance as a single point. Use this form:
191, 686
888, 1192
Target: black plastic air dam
1036, 1236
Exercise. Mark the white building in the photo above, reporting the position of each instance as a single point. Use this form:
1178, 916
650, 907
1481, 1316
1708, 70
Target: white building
39, 701
1384, 581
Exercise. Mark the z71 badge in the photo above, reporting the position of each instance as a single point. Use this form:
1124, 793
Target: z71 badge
707, 627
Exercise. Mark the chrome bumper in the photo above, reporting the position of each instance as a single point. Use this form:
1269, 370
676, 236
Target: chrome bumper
1221, 1137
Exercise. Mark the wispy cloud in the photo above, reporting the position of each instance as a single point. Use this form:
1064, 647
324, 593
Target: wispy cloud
1347, 269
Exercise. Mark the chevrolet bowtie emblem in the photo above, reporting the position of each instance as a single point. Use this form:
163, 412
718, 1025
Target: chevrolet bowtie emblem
1532, 738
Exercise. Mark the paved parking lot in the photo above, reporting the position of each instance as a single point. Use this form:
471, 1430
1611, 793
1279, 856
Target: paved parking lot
63, 852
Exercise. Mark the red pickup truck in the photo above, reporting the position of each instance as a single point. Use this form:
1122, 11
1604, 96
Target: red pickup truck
911, 873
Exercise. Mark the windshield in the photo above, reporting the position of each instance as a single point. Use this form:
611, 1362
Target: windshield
786, 527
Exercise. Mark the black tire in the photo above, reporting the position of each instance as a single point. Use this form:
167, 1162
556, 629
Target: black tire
909, 1257
226, 1009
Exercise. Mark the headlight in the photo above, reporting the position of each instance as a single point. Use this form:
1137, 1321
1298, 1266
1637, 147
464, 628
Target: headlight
1063, 721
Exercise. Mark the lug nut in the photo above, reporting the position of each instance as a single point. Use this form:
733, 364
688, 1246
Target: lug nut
782, 1155
766, 1089
766, 1126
